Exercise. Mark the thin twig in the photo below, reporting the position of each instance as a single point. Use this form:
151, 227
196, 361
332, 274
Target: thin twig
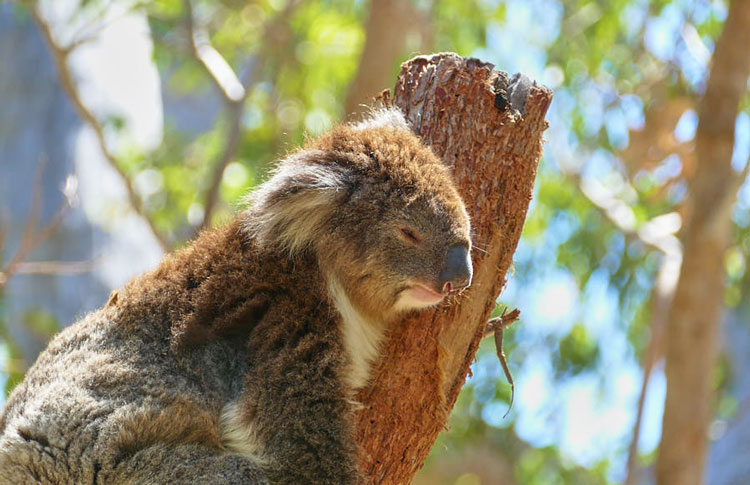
661, 298
60, 58
663, 292
495, 327
212, 194
92, 28
234, 93
33, 236
55, 267
502, 322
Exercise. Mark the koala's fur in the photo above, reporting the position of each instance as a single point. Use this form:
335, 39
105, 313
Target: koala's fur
235, 361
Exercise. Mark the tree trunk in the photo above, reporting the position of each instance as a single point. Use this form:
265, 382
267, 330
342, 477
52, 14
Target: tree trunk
488, 128
388, 24
693, 323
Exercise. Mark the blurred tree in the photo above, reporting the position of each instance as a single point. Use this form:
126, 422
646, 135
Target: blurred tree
45, 244
599, 261
388, 24
694, 320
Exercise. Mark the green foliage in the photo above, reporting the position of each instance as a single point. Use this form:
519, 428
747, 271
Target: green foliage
13, 372
40, 323
466, 36
300, 66
577, 351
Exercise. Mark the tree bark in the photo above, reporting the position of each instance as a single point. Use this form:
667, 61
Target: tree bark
693, 323
488, 129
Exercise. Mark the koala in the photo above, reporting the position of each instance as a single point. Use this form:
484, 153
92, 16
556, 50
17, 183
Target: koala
237, 359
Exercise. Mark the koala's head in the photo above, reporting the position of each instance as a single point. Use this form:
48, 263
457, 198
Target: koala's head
378, 209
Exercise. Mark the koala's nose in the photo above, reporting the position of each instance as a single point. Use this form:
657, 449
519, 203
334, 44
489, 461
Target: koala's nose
456, 273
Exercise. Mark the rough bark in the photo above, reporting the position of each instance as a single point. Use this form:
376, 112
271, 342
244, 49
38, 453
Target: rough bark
488, 128
693, 323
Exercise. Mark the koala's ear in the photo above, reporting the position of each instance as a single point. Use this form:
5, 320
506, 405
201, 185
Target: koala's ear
384, 118
293, 207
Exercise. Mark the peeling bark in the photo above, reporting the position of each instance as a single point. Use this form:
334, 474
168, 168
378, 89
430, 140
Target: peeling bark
693, 324
488, 128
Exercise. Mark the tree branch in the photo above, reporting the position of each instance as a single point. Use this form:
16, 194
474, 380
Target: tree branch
661, 299
33, 236
495, 327
233, 89
55, 267
217, 68
659, 234
60, 58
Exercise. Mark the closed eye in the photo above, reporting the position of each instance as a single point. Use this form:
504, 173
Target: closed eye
410, 236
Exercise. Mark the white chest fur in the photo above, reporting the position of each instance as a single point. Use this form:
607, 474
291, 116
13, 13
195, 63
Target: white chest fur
361, 342
361, 337
238, 436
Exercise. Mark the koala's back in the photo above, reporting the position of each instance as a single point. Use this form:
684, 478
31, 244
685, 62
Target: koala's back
102, 392
134, 392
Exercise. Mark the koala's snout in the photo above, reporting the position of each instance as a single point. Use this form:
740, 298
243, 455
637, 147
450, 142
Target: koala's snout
457, 272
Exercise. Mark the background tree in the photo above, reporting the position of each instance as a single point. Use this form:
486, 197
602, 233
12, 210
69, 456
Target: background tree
599, 259
693, 325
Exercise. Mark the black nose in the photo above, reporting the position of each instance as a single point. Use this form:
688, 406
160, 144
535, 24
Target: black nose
456, 273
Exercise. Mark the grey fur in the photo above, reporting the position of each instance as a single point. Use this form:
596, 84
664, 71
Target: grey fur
237, 360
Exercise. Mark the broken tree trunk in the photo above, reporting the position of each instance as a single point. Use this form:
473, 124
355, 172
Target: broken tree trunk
488, 128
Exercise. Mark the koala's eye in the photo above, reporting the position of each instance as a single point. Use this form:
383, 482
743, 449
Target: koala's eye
410, 235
